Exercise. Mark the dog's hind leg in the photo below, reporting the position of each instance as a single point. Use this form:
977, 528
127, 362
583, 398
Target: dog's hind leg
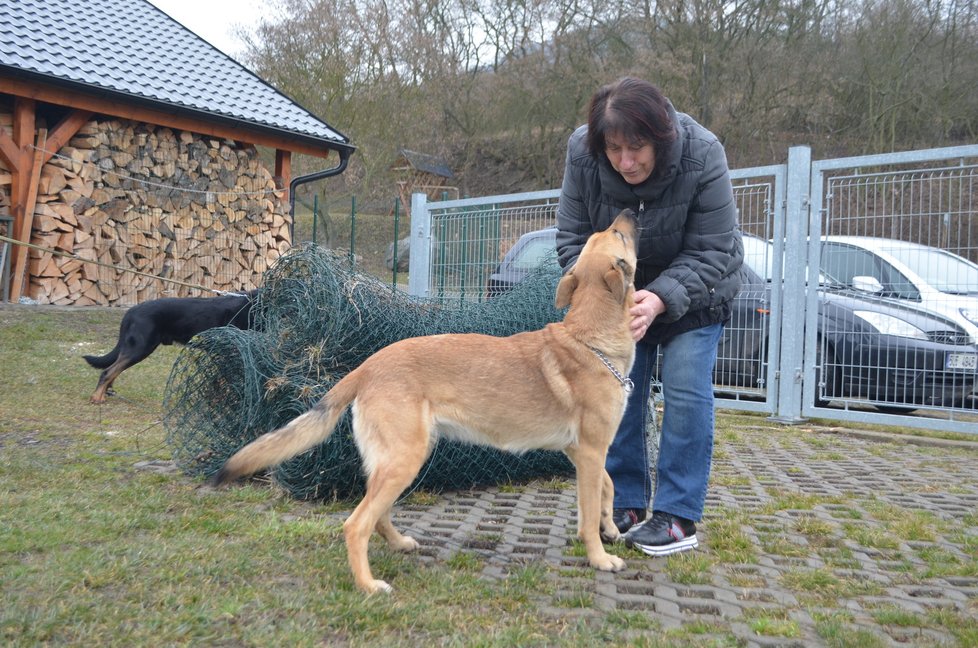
135, 349
383, 487
107, 377
393, 456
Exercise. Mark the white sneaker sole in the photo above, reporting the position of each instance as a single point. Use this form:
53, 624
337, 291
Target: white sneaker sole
686, 544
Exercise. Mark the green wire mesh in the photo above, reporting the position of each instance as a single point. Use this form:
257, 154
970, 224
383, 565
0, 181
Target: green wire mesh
316, 319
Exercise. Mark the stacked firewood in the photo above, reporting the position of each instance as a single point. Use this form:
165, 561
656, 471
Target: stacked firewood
168, 204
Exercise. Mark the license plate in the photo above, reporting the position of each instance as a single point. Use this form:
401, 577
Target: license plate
962, 361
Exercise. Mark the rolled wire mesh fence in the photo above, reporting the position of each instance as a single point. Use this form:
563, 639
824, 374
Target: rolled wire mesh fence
317, 318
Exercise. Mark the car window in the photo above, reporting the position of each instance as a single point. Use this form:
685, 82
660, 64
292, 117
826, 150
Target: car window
759, 257
845, 262
533, 254
944, 271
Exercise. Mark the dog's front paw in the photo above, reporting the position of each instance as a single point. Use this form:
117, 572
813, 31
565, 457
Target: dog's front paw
608, 563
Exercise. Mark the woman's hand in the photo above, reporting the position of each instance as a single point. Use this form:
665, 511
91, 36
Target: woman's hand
647, 307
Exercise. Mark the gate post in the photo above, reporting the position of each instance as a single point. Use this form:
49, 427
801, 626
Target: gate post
419, 262
796, 274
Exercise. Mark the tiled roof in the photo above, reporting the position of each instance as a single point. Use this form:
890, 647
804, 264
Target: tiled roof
131, 48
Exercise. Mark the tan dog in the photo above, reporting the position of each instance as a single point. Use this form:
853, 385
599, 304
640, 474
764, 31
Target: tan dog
559, 388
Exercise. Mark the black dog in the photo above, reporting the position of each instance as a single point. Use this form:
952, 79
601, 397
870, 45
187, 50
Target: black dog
165, 321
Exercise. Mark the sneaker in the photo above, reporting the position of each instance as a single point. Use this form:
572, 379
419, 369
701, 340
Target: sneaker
625, 519
663, 534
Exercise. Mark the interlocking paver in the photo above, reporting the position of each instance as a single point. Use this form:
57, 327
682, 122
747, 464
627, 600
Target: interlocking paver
817, 510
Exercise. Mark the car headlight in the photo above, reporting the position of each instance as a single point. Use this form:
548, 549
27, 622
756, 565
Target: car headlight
890, 325
969, 314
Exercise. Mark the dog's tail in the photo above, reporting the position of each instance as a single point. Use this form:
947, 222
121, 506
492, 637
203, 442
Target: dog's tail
102, 362
302, 433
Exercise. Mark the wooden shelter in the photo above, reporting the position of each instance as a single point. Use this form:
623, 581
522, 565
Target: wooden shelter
95, 104
421, 173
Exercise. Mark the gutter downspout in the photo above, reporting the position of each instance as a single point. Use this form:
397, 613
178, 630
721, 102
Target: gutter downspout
312, 177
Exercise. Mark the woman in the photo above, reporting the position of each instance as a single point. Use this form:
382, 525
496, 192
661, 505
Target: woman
637, 152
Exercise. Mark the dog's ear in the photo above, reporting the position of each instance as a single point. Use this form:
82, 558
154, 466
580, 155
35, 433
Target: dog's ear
617, 280
566, 288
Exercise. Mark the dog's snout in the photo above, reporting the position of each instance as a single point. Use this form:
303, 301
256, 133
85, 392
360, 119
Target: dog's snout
629, 216
625, 227
627, 222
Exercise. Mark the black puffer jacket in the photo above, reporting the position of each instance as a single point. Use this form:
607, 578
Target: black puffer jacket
689, 248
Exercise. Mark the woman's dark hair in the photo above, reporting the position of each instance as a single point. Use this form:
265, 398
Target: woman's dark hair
636, 110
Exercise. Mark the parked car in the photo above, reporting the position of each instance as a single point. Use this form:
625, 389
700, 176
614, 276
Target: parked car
900, 356
937, 280
529, 251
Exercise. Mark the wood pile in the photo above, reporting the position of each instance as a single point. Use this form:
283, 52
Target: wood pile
173, 205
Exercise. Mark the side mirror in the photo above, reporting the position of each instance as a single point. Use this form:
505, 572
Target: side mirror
867, 284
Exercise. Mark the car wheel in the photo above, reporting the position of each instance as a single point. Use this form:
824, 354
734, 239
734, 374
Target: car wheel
832, 378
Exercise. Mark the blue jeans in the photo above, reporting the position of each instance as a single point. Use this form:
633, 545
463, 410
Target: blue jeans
686, 446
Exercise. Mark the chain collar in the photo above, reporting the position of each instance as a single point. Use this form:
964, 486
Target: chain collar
626, 383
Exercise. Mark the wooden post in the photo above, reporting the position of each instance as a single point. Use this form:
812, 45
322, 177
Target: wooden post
15, 150
23, 233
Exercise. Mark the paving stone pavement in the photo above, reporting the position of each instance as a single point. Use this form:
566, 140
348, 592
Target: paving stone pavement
804, 529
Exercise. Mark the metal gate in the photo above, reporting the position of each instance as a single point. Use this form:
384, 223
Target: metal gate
900, 231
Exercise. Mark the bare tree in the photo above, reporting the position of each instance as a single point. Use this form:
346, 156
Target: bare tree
496, 86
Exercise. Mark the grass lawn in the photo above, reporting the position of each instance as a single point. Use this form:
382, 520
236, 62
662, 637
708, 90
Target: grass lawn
103, 543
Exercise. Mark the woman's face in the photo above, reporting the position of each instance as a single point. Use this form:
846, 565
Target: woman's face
633, 160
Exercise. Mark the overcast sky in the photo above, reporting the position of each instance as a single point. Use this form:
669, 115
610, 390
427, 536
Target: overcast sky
215, 20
